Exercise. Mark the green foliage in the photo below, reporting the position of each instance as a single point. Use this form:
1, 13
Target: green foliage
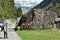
39, 34
7, 9
57, 10
19, 12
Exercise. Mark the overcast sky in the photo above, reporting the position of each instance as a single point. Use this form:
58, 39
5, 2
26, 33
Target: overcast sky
16, 1
26, 3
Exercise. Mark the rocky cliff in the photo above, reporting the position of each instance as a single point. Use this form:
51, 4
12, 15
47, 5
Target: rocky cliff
39, 17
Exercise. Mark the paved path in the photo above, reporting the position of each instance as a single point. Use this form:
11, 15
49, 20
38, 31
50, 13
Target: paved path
12, 35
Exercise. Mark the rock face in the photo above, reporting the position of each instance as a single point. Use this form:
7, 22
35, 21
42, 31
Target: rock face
41, 16
48, 4
38, 19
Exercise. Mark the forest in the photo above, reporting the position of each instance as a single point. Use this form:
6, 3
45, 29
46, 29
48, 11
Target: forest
8, 9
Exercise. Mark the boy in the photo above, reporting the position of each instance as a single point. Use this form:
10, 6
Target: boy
5, 30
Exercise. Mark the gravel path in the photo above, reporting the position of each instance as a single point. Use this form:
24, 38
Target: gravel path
12, 35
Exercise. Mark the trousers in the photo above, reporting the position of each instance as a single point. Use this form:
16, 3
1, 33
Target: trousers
5, 34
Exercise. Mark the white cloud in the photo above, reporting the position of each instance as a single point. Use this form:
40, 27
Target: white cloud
18, 1
36, 1
27, 2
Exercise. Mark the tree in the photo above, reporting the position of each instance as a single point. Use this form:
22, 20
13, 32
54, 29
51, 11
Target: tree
8, 9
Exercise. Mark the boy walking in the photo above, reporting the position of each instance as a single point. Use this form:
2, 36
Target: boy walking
5, 30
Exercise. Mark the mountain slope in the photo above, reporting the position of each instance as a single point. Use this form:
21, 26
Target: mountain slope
52, 5
39, 17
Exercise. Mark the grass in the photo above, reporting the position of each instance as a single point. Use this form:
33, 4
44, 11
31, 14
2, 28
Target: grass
39, 34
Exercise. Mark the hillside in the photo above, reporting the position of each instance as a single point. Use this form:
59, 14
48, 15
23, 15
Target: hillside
41, 16
52, 5
38, 18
